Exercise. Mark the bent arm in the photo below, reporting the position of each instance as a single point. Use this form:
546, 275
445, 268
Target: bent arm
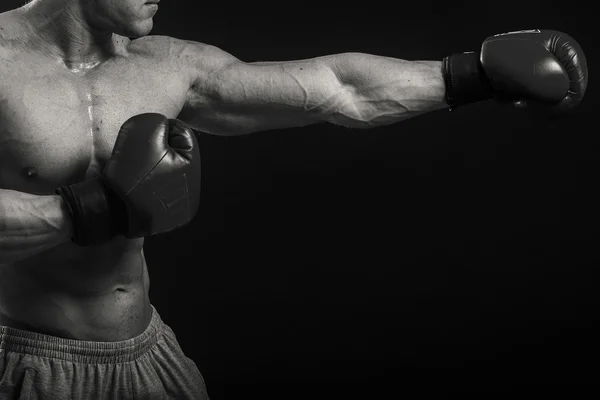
30, 224
355, 90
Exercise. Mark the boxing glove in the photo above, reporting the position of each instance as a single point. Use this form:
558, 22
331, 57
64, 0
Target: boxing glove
535, 67
150, 184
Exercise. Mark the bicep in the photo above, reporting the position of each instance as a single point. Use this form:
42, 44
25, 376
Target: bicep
259, 96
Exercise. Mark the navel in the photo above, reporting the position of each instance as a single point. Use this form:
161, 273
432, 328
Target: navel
30, 172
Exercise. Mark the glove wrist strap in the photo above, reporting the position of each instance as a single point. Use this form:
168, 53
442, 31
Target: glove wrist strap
465, 79
97, 213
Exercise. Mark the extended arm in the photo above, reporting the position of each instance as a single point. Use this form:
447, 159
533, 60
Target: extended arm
228, 96
30, 224
356, 90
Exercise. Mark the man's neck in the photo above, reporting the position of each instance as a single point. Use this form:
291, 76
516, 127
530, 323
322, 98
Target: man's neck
60, 26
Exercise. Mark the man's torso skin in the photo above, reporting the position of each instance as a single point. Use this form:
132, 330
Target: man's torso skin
58, 127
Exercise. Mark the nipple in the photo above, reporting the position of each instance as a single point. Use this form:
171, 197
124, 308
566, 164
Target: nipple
31, 172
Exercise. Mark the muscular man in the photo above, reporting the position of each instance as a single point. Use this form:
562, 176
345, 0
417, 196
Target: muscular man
92, 160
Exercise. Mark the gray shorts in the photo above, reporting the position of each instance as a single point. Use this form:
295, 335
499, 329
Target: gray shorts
149, 366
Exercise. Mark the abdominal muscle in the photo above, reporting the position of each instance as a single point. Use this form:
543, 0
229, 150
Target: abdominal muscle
96, 294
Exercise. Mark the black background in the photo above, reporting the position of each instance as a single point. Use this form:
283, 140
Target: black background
455, 252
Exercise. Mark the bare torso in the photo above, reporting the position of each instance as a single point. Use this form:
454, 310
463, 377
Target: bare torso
58, 126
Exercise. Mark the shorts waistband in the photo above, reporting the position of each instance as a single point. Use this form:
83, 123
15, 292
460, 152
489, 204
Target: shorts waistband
37, 344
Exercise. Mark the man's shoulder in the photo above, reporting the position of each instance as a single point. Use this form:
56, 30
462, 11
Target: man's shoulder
159, 46
180, 52
154, 44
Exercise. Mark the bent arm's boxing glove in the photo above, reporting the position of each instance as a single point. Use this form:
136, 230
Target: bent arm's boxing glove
150, 185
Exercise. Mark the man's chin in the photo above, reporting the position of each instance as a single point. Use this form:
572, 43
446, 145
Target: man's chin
138, 31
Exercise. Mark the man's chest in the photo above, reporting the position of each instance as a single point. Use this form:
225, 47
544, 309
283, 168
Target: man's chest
59, 127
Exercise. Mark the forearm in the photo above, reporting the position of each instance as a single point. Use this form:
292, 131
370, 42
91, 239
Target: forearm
384, 90
30, 224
